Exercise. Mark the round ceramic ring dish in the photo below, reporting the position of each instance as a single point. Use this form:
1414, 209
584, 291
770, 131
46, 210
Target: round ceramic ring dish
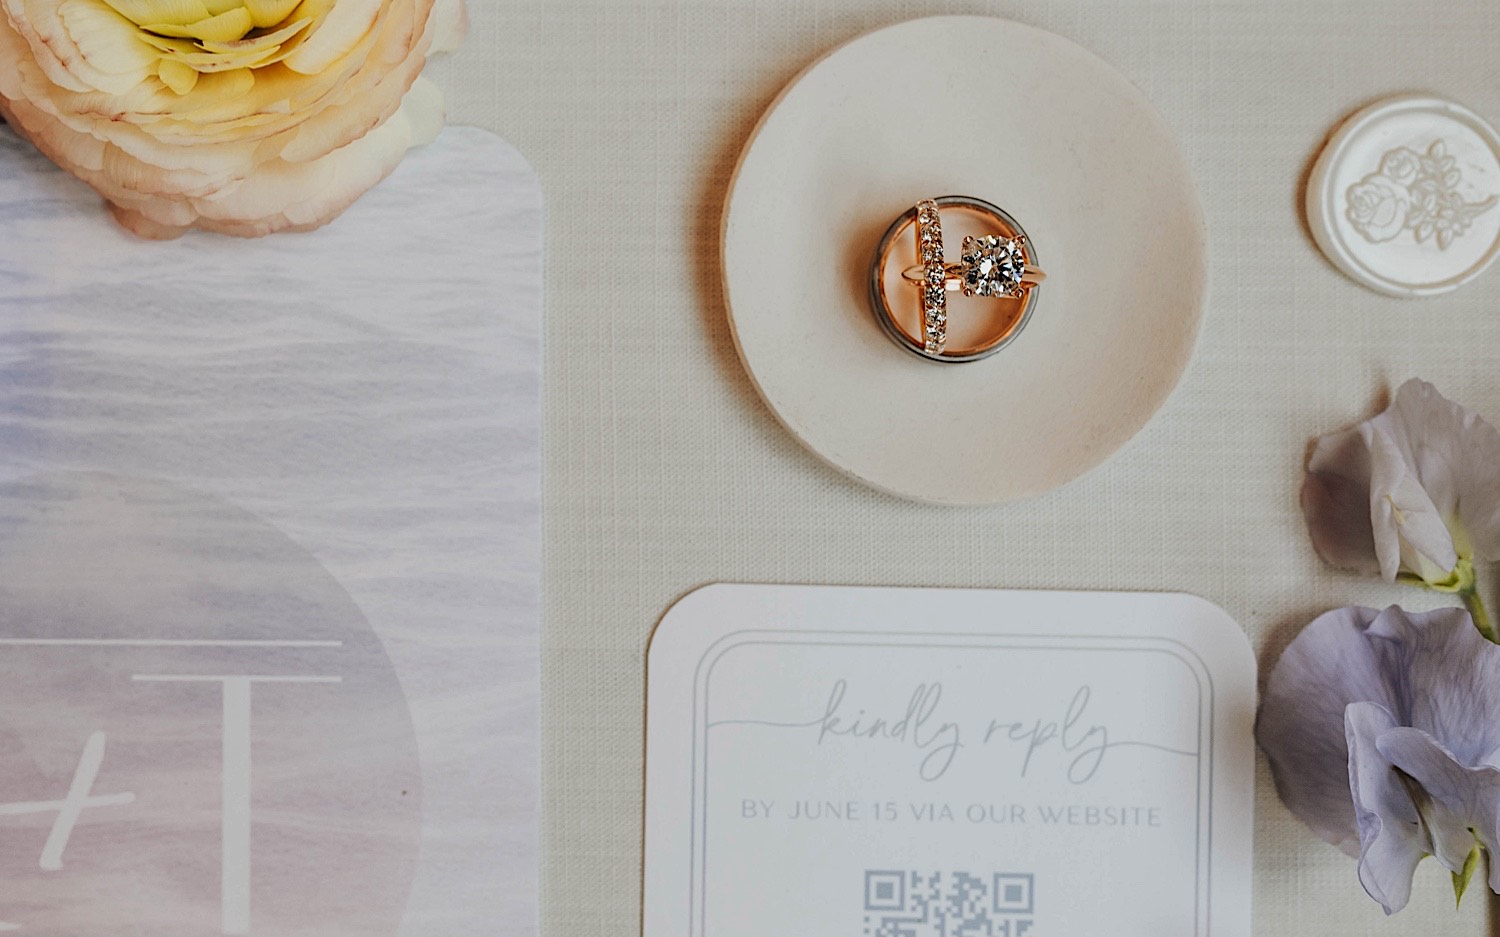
1405, 197
1068, 146
997, 267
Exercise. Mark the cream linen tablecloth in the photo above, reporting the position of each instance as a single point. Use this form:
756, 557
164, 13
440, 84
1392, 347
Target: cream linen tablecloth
665, 470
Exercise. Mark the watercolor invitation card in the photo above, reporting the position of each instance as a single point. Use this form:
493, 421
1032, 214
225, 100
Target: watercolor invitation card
269, 521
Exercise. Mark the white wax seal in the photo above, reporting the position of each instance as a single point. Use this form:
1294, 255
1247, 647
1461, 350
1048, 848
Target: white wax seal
1405, 198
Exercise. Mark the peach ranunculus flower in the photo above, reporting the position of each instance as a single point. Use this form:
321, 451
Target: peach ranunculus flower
238, 116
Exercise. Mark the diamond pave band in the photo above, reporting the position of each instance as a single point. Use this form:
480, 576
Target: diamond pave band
935, 276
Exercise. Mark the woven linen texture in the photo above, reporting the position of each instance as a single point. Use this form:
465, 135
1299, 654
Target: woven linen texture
665, 471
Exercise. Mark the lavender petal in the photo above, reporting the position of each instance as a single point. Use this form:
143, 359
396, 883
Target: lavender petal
1456, 801
1301, 723
1391, 833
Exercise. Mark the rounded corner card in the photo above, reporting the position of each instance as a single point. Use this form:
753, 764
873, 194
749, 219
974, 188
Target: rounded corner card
927, 763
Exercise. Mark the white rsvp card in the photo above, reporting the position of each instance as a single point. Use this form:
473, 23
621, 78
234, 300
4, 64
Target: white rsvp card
943, 763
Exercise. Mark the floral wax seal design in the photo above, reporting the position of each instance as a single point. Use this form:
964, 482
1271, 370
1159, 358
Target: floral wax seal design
238, 116
1403, 198
1417, 193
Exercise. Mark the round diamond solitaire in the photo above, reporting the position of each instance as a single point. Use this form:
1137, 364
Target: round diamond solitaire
992, 266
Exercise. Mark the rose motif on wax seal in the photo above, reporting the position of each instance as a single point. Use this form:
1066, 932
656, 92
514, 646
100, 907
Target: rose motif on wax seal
1414, 192
1401, 166
1378, 207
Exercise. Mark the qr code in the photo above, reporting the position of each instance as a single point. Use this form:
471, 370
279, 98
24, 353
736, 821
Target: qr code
949, 904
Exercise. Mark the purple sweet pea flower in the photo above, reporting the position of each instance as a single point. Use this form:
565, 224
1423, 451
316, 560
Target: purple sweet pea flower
1413, 492
1383, 732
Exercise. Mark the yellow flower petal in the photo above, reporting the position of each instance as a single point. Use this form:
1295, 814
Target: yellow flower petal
175, 12
340, 31
314, 9
223, 62
268, 13
297, 40
227, 86
162, 44
226, 27
210, 89
109, 43
257, 43
177, 76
